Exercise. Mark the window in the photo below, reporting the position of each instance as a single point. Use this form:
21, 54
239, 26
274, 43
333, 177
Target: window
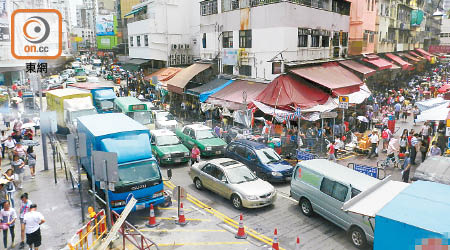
336, 51
218, 174
334, 189
208, 7
315, 38
138, 41
303, 37
228, 69
365, 36
186, 131
146, 40
245, 70
131, 41
204, 40
227, 39
325, 38
276, 68
209, 169
371, 37
336, 39
344, 39
240, 150
355, 192
245, 38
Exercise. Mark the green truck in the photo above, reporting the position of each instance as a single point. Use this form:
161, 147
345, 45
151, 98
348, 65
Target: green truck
167, 148
204, 137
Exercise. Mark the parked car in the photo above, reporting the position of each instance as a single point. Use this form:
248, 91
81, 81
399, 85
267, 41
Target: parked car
50, 87
204, 137
167, 148
321, 186
234, 181
164, 120
261, 159
81, 76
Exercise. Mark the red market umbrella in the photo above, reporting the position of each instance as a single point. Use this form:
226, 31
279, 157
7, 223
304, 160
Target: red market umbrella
444, 88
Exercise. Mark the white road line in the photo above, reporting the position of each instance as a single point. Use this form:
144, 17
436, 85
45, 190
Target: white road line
286, 197
198, 210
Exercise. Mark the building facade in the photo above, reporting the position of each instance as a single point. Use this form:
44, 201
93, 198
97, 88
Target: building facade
165, 32
445, 32
255, 39
362, 32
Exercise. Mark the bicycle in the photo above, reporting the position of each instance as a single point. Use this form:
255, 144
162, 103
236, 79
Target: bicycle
390, 161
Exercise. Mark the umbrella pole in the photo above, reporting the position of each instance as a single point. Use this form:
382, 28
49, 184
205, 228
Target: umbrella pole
273, 115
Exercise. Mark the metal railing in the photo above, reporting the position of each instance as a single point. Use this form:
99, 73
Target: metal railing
65, 164
87, 237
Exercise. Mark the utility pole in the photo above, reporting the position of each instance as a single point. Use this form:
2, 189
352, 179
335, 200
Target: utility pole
43, 135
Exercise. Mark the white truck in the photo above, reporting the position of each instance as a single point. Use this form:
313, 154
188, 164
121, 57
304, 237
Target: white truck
77, 107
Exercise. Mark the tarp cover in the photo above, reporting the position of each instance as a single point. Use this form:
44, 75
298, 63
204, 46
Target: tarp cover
366, 71
331, 76
435, 168
105, 94
209, 88
430, 103
439, 113
288, 92
405, 65
380, 63
410, 57
232, 96
163, 74
128, 148
358, 97
182, 78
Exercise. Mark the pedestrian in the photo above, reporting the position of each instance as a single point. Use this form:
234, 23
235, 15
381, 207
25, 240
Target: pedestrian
397, 109
18, 165
195, 155
10, 144
31, 161
24, 209
331, 151
435, 150
406, 168
424, 147
3, 139
416, 112
8, 217
218, 131
33, 221
404, 113
426, 130
403, 143
10, 187
374, 143
414, 148
20, 151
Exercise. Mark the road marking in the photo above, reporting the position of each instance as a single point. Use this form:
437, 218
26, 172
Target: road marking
210, 243
174, 208
347, 157
287, 197
167, 218
198, 210
224, 218
183, 230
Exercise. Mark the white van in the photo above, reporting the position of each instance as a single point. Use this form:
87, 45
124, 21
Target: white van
322, 187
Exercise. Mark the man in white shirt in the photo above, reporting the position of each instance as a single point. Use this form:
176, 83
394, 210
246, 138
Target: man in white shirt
374, 142
33, 221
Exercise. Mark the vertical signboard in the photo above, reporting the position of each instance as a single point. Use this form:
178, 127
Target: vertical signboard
4, 22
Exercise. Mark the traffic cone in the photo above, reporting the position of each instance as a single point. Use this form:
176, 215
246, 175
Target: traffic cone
297, 245
241, 231
152, 218
275, 245
181, 220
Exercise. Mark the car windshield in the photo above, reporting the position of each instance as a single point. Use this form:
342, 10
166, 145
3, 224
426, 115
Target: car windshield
138, 172
143, 117
205, 134
239, 174
80, 73
167, 140
164, 116
267, 155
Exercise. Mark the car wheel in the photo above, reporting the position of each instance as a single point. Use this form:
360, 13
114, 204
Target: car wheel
306, 207
358, 237
198, 184
236, 201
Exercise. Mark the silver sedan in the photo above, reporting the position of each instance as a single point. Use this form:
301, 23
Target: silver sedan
234, 181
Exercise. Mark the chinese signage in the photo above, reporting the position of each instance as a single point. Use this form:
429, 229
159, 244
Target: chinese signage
230, 57
439, 49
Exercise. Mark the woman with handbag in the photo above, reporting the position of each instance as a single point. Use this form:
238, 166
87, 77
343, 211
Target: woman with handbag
10, 187
195, 155
8, 217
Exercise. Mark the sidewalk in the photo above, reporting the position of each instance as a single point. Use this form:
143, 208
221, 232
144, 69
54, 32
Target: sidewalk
59, 203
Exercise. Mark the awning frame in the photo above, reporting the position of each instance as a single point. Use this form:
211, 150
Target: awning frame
135, 11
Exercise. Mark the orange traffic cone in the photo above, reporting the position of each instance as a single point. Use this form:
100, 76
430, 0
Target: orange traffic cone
297, 245
181, 220
152, 218
275, 245
241, 231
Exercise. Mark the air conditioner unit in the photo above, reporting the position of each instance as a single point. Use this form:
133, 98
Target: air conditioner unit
183, 59
174, 46
178, 59
186, 46
180, 46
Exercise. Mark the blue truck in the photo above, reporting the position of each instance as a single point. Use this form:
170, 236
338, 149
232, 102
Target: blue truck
103, 96
139, 173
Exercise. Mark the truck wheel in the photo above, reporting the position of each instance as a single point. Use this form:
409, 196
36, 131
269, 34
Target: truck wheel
198, 184
306, 207
358, 237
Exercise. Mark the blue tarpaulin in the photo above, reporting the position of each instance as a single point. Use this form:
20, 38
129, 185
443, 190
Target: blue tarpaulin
204, 96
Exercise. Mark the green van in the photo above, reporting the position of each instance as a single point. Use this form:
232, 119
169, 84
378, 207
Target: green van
321, 186
204, 137
167, 148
